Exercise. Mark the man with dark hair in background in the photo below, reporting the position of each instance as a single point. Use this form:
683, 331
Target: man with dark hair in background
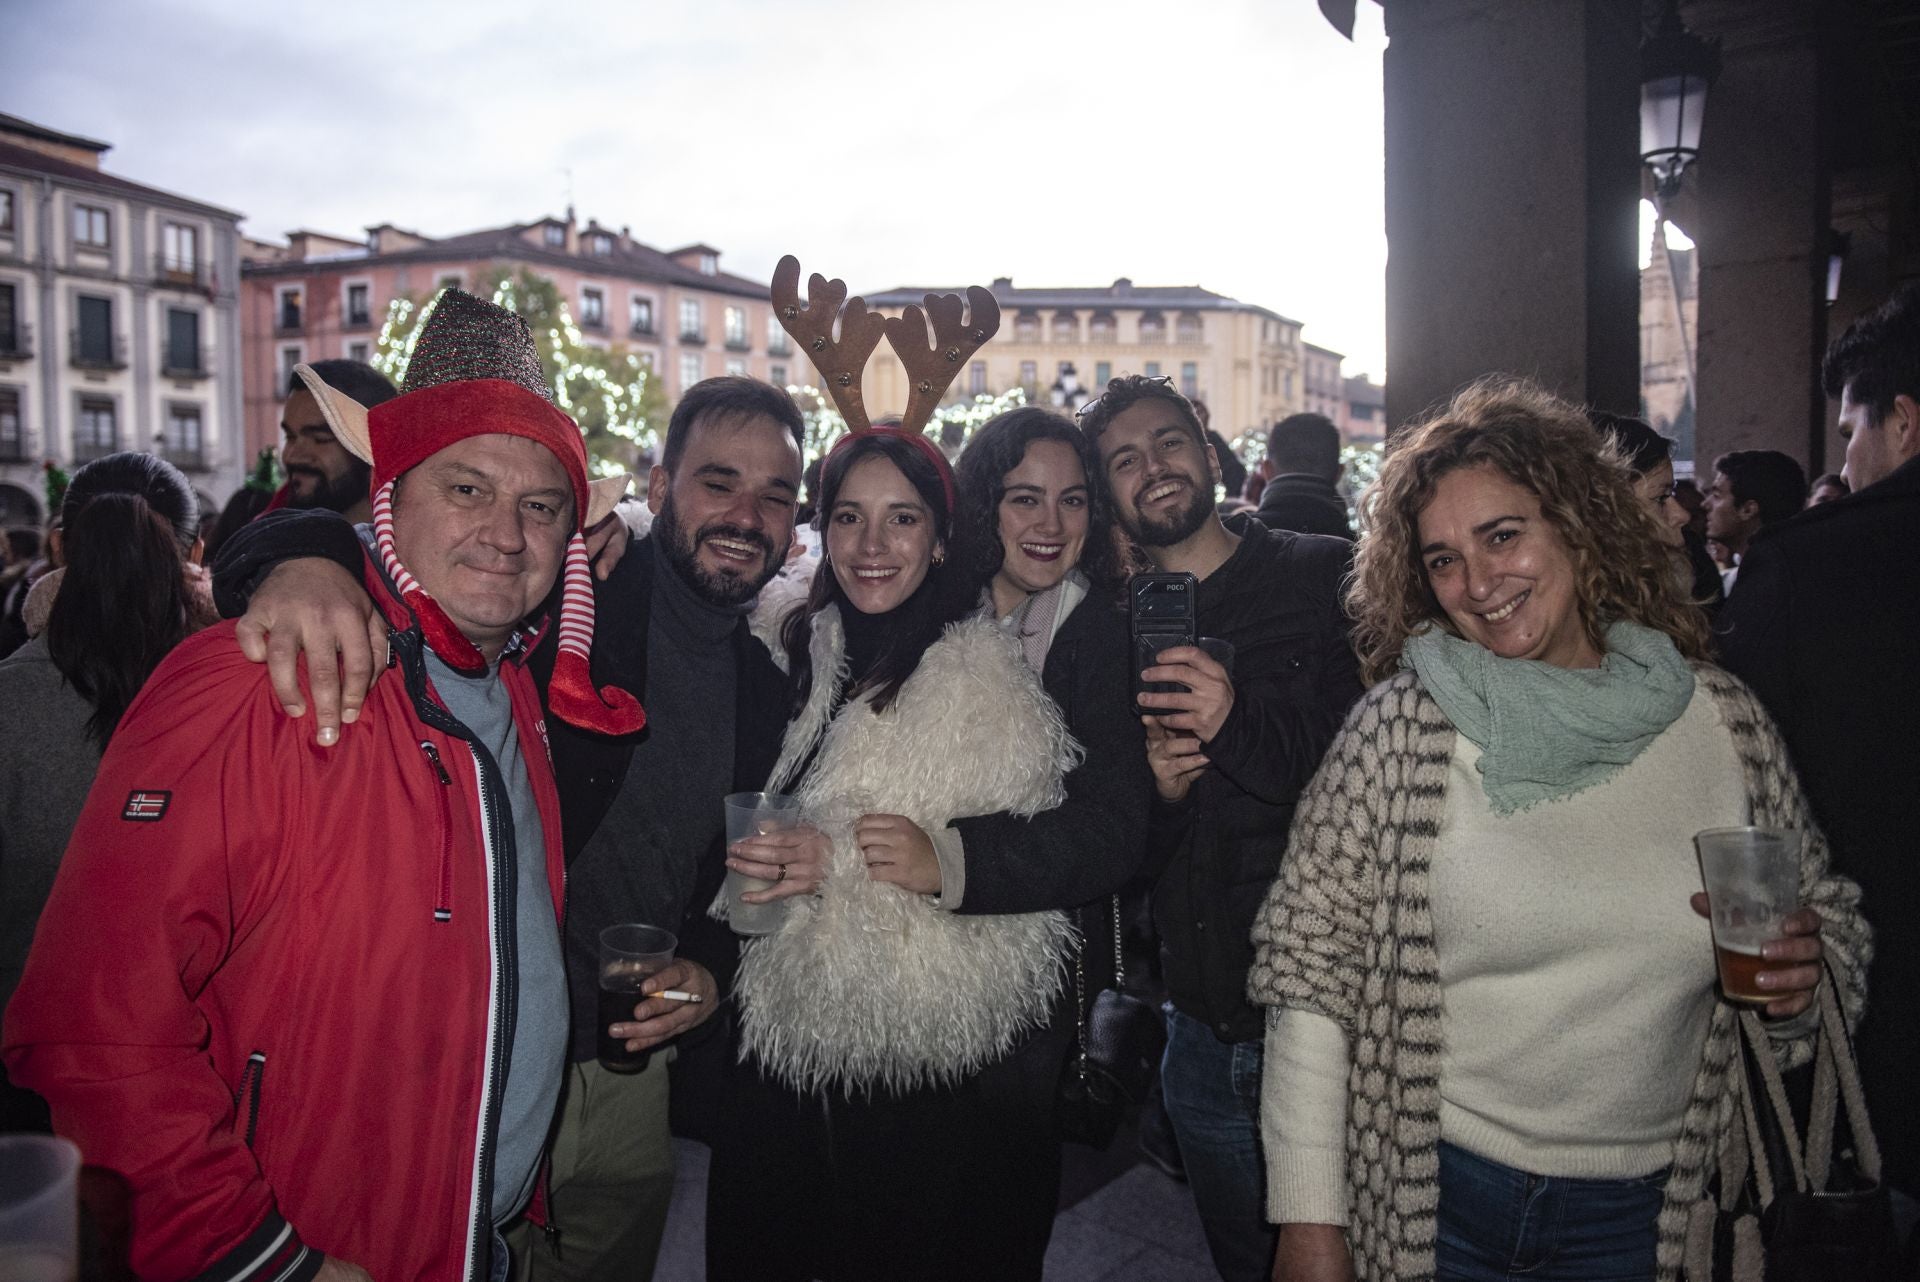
641, 816
1303, 458
1752, 490
1826, 628
320, 471
1230, 756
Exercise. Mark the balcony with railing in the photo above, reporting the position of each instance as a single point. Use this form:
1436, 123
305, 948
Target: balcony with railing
694, 335
350, 318
186, 457
641, 329
738, 343
181, 362
94, 352
87, 449
779, 345
16, 344
182, 273
289, 319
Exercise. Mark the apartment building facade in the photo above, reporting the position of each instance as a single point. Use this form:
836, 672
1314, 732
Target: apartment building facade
1325, 390
119, 321
1243, 360
320, 297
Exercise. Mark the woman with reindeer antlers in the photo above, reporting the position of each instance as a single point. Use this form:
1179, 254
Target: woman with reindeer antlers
893, 1110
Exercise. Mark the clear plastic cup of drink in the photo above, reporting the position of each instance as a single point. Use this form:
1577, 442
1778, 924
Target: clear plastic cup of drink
1752, 878
755, 814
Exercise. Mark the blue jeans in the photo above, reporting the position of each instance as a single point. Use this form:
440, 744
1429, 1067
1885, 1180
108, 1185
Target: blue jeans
1497, 1223
1212, 1090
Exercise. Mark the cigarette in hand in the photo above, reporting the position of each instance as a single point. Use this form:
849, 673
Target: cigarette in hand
675, 995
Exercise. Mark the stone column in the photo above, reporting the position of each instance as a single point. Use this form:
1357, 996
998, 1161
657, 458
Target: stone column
1512, 187
1761, 229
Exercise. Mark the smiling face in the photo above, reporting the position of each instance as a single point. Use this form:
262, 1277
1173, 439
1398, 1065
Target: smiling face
880, 536
483, 524
1042, 520
726, 512
1161, 475
1501, 571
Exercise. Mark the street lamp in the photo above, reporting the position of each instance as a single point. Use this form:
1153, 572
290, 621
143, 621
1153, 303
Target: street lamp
1066, 392
1676, 69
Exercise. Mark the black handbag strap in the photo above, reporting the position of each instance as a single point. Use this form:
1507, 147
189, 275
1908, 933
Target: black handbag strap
1080, 981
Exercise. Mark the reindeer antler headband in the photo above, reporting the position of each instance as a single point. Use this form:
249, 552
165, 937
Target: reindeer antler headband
960, 328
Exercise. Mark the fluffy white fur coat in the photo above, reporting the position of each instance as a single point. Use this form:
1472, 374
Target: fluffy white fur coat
871, 985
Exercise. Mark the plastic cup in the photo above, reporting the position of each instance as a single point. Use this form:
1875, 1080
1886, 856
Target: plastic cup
39, 1209
755, 814
628, 955
1752, 878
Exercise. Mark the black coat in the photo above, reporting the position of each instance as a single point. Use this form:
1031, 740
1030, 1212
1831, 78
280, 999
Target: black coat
1304, 504
1278, 600
1078, 854
1824, 624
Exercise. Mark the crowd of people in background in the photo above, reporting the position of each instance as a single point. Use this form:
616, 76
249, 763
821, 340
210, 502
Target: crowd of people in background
302, 911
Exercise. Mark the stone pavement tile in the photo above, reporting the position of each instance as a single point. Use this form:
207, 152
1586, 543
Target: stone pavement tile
1148, 1205
1155, 1265
1083, 1249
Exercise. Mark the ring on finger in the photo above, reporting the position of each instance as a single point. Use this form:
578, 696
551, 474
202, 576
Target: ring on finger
783, 875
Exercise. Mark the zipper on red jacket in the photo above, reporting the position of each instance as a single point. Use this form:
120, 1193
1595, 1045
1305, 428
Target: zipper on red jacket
250, 1091
443, 902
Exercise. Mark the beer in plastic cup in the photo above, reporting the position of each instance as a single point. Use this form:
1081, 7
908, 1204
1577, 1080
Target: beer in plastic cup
754, 814
628, 955
1752, 878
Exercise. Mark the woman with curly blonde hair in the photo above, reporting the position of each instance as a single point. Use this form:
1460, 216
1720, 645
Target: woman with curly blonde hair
1495, 1047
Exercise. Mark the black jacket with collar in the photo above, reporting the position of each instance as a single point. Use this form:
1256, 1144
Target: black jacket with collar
1304, 504
1824, 624
1084, 850
1278, 599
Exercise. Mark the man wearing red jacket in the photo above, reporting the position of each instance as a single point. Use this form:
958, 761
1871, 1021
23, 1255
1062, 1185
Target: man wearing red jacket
309, 1004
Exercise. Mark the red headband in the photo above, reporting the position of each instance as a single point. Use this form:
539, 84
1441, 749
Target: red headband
921, 443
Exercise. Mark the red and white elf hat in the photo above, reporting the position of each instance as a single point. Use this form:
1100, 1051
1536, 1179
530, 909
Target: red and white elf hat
475, 371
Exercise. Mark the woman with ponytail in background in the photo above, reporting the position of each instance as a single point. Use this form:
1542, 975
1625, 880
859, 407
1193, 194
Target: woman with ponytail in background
130, 540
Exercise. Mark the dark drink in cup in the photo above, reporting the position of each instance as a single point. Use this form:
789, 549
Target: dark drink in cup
629, 955
619, 994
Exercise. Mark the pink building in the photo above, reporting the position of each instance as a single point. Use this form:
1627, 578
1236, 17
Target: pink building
320, 297
1366, 411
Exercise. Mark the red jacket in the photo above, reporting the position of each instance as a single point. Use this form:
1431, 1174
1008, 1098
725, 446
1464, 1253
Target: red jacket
269, 989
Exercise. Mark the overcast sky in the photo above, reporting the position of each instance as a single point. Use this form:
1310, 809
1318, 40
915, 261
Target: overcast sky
1234, 144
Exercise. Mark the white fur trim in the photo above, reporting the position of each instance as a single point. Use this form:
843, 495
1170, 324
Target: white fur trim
870, 985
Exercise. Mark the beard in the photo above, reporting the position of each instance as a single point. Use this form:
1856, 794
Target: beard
336, 494
1176, 526
725, 588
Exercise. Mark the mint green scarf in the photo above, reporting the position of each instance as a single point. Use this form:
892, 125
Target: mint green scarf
1546, 732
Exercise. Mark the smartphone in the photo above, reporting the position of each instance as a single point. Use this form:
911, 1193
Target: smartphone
1160, 615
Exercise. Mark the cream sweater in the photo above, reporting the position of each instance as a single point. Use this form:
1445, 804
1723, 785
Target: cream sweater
1348, 935
1564, 935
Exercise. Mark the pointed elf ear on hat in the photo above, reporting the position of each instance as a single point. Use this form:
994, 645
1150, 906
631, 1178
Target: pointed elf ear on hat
346, 417
602, 496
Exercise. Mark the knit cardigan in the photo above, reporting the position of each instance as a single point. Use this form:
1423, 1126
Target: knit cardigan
1347, 932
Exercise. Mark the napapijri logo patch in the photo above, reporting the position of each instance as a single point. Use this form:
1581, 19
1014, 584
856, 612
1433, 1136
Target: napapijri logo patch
146, 806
